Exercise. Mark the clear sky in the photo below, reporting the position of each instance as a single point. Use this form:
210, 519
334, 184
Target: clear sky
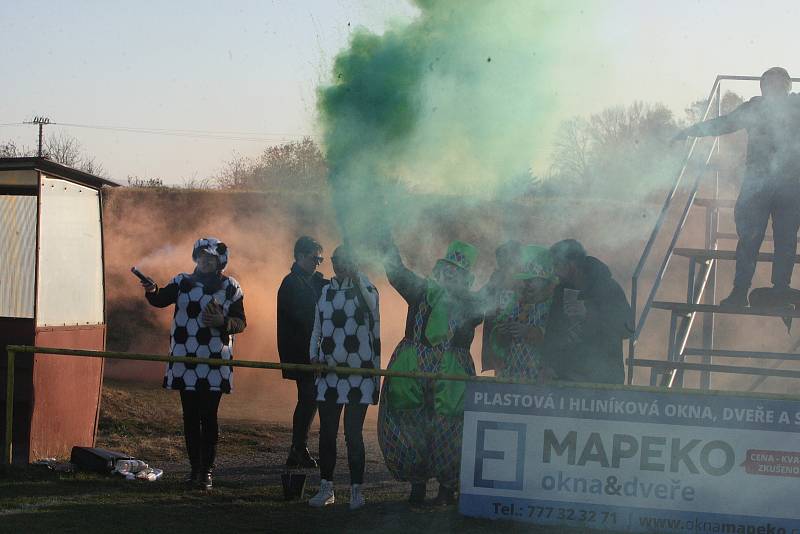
253, 66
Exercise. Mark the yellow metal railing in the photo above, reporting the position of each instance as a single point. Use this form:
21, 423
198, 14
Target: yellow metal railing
13, 350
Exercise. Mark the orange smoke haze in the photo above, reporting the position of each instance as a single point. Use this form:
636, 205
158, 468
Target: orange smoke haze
155, 230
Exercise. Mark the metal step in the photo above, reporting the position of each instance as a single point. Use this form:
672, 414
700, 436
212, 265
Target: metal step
725, 353
726, 203
731, 235
683, 308
703, 254
713, 367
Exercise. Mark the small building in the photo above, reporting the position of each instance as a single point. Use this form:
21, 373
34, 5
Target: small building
51, 295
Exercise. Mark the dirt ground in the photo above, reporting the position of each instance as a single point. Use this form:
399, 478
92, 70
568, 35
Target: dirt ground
144, 421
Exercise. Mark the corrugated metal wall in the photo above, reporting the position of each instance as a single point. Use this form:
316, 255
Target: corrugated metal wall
70, 255
17, 255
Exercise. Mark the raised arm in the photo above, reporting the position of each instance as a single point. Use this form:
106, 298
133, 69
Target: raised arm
404, 280
370, 295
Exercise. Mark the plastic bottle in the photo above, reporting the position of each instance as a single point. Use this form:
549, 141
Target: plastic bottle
125, 467
149, 474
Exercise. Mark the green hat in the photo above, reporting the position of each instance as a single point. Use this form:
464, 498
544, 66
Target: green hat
536, 262
461, 255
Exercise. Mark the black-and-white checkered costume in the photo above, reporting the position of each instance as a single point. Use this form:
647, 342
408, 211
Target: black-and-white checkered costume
347, 334
189, 337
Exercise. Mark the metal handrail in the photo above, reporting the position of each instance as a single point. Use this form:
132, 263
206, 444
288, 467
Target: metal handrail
638, 323
673, 243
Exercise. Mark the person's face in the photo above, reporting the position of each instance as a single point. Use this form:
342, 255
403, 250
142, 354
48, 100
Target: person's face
342, 267
308, 261
564, 269
537, 289
207, 263
774, 86
507, 259
450, 276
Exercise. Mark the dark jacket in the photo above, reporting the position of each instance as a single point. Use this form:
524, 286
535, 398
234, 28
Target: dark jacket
297, 300
589, 350
773, 150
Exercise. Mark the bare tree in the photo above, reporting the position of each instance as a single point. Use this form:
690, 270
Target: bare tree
297, 165
9, 149
572, 150
139, 182
621, 152
237, 173
67, 150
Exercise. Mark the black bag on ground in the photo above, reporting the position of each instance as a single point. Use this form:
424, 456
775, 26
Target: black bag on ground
95, 459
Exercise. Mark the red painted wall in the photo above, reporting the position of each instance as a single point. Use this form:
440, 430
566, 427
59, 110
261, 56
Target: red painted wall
66, 391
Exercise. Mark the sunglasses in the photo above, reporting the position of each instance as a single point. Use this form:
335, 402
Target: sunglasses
318, 259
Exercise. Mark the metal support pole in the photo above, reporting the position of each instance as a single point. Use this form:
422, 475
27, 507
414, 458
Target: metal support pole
632, 339
690, 284
7, 450
673, 326
712, 229
41, 128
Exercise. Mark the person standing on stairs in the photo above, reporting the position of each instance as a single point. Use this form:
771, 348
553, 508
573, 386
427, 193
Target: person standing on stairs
771, 185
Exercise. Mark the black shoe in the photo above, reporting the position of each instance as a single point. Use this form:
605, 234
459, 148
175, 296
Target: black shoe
737, 299
206, 481
445, 497
784, 297
193, 478
417, 495
300, 458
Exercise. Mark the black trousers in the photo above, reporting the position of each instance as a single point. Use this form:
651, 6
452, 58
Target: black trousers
200, 427
329, 415
304, 411
758, 202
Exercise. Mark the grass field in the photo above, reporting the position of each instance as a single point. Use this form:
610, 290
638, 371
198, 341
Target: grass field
144, 421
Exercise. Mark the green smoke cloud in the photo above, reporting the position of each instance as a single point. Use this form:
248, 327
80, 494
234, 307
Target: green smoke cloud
459, 102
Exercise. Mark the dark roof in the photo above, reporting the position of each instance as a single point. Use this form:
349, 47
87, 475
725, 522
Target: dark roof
48, 166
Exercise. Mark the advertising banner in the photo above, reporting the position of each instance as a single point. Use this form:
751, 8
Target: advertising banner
631, 460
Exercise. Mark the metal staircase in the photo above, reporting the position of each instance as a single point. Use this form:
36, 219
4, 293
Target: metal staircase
701, 300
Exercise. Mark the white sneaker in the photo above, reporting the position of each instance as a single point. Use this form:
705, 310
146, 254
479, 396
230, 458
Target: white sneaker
356, 497
325, 495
